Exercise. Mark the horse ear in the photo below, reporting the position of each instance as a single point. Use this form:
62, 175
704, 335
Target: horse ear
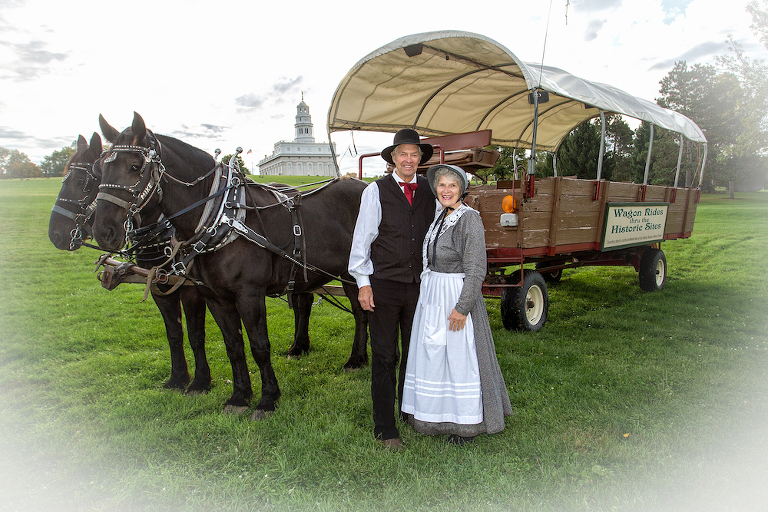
81, 143
95, 147
139, 129
109, 133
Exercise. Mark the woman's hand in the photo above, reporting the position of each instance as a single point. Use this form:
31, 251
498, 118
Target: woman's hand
456, 321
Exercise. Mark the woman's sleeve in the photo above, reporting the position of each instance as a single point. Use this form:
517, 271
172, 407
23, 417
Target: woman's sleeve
469, 237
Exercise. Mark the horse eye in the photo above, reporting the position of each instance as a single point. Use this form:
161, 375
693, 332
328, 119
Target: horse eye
135, 168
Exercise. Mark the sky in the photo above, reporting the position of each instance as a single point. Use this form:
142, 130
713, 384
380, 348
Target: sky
226, 74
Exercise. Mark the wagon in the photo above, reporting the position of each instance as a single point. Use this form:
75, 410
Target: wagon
466, 92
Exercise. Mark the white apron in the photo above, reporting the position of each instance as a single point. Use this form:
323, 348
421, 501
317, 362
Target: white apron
442, 379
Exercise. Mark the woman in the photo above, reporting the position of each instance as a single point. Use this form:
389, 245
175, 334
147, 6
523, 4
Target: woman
453, 383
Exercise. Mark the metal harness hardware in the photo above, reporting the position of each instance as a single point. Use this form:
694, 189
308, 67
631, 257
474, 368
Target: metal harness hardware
86, 209
140, 198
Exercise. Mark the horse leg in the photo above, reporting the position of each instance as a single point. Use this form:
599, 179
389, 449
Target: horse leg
302, 309
253, 310
170, 309
194, 311
359, 356
228, 320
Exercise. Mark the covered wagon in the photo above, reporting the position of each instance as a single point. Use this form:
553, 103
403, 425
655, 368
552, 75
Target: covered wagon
467, 94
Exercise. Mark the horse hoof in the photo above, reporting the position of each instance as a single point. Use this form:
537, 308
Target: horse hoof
293, 357
235, 409
259, 415
176, 384
352, 369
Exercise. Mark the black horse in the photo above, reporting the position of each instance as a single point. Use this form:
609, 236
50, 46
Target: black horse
237, 275
71, 224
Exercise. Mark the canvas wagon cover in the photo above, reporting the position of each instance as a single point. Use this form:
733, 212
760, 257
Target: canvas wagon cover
447, 82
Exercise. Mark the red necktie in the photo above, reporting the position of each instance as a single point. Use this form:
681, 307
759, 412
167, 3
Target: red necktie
408, 188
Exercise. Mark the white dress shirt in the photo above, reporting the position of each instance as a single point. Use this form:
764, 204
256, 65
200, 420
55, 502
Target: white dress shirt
367, 230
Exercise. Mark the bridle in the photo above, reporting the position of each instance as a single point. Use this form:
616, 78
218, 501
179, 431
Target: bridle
139, 196
85, 208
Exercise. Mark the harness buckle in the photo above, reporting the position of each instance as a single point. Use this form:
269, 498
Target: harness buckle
198, 246
179, 268
296, 230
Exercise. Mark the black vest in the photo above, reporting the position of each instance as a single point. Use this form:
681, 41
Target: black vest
396, 252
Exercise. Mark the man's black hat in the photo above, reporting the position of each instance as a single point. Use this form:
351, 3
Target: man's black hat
407, 136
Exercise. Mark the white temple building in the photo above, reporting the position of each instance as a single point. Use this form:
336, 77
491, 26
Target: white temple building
302, 156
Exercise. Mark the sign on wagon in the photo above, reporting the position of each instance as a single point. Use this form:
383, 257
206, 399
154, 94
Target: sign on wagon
630, 224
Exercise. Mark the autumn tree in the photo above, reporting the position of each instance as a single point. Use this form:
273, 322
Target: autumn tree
15, 164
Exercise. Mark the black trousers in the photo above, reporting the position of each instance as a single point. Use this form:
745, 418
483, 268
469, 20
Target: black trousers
394, 307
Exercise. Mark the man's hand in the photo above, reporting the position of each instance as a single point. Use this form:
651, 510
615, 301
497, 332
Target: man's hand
365, 296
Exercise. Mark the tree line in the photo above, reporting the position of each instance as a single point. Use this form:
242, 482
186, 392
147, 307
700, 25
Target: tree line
728, 102
15, 164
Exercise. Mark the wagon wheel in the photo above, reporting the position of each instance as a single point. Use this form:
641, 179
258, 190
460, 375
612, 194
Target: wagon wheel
525, 308
550, 277
652, 272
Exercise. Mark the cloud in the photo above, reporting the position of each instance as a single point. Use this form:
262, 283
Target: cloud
593, 27
32, 60
11, 134
285, 85
275, 93
202, 131
691, 56
11, 138
250, 100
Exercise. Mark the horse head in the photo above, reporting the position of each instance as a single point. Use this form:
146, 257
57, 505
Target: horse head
130, 182
71, 217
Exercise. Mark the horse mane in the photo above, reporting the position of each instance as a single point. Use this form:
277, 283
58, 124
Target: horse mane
190, 157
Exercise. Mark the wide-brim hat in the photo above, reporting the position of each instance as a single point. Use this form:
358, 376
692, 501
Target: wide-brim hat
407, 136
463, 180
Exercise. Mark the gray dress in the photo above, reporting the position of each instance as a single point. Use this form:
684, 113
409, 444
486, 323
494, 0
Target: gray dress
461, 249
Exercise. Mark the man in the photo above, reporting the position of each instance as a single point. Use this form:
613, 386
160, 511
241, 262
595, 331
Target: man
395, 213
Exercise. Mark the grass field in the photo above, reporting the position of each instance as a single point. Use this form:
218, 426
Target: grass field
626, 400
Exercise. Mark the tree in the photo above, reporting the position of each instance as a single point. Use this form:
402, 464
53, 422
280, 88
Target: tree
504, 168
619, 138
15, 164
719, 105
579, 153
55, 163
24, 170
753, 77
226, 158
664, 156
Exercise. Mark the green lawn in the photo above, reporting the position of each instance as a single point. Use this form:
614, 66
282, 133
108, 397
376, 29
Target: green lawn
626, 400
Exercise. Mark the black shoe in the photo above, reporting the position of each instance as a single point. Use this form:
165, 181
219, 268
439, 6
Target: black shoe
458, 440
